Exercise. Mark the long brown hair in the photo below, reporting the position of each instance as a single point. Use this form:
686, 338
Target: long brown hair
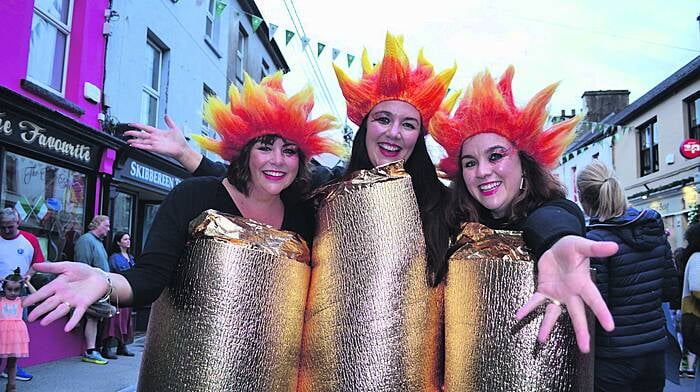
540, 186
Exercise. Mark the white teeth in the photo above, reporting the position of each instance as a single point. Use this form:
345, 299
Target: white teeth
489, 186
273, 173
389, 147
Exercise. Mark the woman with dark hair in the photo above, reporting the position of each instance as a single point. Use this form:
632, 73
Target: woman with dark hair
267, 136
119, 328
634, 282
498, 157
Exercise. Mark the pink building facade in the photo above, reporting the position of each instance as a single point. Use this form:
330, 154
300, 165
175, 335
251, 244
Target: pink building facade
53, 155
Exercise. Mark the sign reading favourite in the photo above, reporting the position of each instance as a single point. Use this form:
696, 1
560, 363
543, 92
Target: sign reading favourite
149, 175
28, 133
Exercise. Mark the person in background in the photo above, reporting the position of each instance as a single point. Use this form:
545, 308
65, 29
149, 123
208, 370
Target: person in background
119, 328
634, 283
690, 301
18, 249
89, 250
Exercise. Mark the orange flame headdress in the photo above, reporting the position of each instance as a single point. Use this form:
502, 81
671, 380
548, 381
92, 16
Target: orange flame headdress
488, 106
264, 109
393, 79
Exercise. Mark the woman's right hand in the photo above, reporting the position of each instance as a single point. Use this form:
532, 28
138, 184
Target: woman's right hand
170, 142
76, 287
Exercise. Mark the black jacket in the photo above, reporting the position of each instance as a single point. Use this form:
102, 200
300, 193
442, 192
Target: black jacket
633, 283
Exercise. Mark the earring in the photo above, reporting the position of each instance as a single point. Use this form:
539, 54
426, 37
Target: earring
522, 183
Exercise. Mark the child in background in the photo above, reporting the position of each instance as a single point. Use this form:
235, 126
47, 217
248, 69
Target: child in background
14, 337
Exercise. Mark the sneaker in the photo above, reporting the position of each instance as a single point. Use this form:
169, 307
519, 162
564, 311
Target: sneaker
690, 374
95, 358
22, 375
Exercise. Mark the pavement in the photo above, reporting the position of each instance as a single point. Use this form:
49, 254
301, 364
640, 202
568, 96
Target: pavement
73, 375
121, 375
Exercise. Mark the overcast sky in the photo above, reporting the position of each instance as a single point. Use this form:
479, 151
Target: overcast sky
585, 44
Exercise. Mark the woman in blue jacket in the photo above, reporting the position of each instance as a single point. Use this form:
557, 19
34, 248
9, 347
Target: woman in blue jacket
634, 282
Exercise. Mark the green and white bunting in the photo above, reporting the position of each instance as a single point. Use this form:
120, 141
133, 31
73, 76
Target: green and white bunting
255, 21
351, 58
290, 35
272, 29
320, 48
220, 5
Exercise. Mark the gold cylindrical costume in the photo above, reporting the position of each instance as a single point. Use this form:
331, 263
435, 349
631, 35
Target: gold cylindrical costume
486, 349
372, 321
232, 317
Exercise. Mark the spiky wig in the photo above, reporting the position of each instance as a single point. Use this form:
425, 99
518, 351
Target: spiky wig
264, 109
393, 79
488, 106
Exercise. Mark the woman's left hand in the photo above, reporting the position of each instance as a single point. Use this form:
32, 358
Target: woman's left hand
564, 277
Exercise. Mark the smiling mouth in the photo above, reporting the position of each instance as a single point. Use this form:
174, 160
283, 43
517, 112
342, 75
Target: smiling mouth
274, 175
389, 150
490, 188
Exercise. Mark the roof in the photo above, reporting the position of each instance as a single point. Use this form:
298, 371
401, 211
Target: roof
688, 73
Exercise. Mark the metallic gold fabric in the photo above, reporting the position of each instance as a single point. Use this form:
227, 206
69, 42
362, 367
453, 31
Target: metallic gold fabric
372, 322
489, 278
232, 317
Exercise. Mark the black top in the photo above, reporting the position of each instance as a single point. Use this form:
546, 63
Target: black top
633, 283
169, 233
545, 225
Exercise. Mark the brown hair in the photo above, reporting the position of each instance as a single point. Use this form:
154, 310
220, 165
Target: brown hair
239, 170
539, 186
600, 192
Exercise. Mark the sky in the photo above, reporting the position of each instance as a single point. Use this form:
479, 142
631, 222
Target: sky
585, 45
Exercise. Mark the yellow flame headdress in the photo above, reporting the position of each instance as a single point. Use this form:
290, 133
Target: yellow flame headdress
264, 109
393, 79
488, 106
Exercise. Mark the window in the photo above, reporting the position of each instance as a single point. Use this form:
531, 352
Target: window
151, 88
574, 189
241, 51
213, 24
206, 129
649, 148
694, 116
265, 70
48, 46
50, 200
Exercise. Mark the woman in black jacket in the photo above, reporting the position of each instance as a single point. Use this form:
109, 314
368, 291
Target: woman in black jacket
634, 282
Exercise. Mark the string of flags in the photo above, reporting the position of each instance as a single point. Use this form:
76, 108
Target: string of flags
289, 35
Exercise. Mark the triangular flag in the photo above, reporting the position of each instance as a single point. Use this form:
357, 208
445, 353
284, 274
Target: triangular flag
320, 48
272, 29
304, 41
220, 5
255, 21
290, 35
351, 58
40, 208
336, 52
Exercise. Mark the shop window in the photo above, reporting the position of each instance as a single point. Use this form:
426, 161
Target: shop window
649, 148
151, 93
149, 215
49, 199
693, 104
48, 45
241, 50
122, 213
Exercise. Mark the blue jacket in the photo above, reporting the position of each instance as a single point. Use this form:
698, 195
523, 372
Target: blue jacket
633, 283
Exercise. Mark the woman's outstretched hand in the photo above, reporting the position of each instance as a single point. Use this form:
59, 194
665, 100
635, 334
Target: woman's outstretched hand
564, 277
76, 287
170, 142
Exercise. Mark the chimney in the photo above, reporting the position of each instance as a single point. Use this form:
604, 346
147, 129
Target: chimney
602, 103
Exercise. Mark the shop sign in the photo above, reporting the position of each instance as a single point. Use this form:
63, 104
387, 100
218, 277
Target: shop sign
53, 142
690, 149
148, 175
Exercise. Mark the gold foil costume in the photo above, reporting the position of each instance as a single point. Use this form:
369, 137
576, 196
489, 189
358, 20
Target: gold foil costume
372, 322
232, 317
486, 349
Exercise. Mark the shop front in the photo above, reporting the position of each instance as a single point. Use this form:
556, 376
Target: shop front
140, 182
49, 173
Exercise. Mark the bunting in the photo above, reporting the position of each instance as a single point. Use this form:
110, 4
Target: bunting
272, 29
255, 21
290, 35
351, 58
219, 7
320, 48
304, 41
336, 53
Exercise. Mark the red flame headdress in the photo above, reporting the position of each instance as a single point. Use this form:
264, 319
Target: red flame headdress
393, 79
488, 106
264, 109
